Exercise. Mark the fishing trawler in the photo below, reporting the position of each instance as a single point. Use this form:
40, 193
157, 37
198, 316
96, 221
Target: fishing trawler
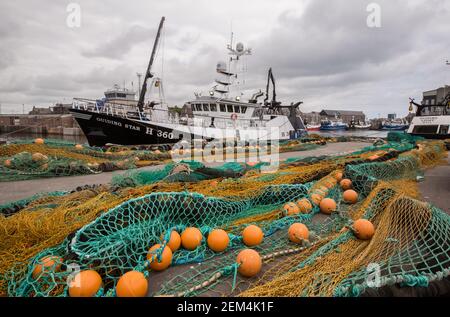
333, 125
221, 114
432, 119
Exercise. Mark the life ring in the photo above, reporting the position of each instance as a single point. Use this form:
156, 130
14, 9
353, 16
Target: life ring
234, 116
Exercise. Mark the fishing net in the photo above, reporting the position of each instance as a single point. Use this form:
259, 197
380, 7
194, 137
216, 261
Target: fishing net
109, 229
24, 159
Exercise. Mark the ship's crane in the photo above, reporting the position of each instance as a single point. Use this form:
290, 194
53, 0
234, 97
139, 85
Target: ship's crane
273, 103
148, 73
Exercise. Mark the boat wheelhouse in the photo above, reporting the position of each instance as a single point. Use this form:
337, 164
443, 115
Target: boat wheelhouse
432, 119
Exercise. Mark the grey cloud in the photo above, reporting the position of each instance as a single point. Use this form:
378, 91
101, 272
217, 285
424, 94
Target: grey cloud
323, 54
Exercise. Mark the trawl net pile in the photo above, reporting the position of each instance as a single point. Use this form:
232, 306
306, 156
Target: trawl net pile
110, 229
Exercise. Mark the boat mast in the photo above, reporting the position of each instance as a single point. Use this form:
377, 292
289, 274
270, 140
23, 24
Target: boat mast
148, 73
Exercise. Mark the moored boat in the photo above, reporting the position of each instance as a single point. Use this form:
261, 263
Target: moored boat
221, 114
431, 121
329, 125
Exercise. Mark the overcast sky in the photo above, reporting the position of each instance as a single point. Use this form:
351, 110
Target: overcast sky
321, 51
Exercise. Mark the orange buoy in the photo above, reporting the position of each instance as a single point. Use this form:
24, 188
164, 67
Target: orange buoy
252, 163
373, 157
252, 235
316, 198
304, 205
46, 264
298, 232
250, 262
363, 229
327, 206
218, 240
346, 184
7, 163
166, 258
291, 209
350, 196
38, 157
39, 141
78, 146
191, 238
157, 152
338, 176
132, 284
174, 240
214, 183
85, 284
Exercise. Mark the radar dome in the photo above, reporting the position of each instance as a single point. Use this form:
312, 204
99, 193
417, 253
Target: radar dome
240, 47
221, 67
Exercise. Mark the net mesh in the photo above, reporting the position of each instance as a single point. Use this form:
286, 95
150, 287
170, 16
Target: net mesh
110, 228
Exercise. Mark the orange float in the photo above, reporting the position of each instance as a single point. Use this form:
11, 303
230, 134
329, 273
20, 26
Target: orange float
350, 196
338, 176
250, 262
373, 157
47, 264
7, 163
132, 284
78, 146
252, 235
346, 184
191, 238
39, 141
304, 205
174, 240
166, 258
363, 229
291, 209
218, 240
327, 206
85, 284
298, 232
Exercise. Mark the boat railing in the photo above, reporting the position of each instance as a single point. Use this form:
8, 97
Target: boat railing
161, 116
111, 109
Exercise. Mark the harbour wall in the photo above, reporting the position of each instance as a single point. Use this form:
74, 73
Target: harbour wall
51, 124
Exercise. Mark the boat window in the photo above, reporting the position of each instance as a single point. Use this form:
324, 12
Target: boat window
213, 107
121, 95
198, 107
205, 107
222, 107
425, 129
237, 109
243, 109
229, 108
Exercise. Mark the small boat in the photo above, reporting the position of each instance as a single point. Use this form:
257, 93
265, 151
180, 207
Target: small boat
394, 125
328, 125
362, 126
313, 127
